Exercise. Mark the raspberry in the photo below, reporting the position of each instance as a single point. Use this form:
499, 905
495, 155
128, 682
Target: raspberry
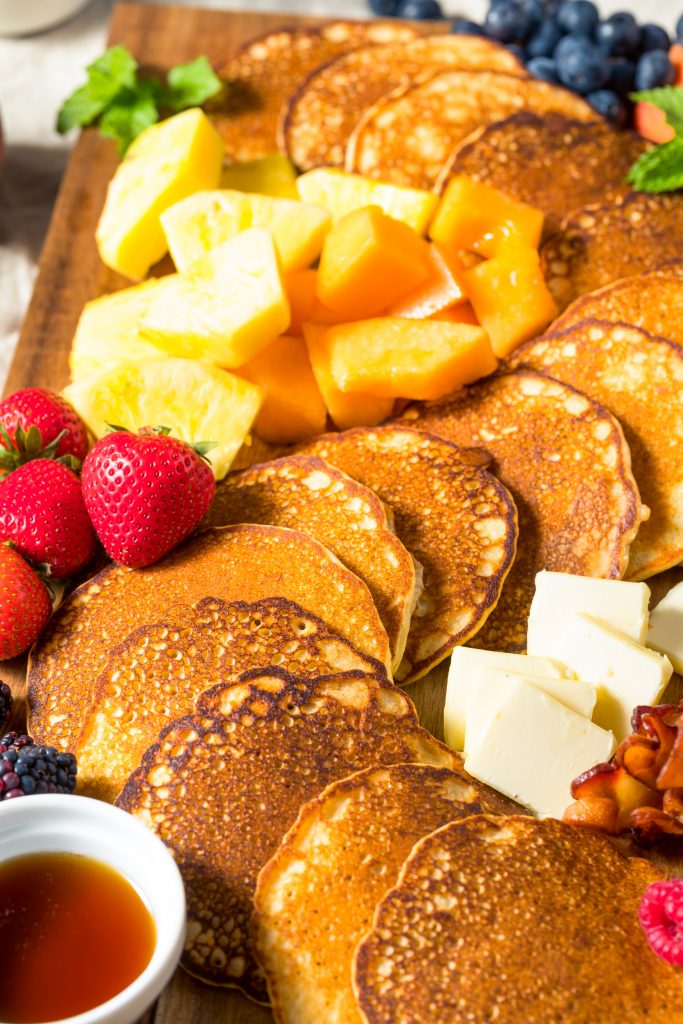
661, 917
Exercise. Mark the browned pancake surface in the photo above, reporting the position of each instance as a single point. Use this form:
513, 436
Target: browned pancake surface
550, 162
566, 462
407, 137
456, 518
639, 378
599, 244
514, 920
222, 787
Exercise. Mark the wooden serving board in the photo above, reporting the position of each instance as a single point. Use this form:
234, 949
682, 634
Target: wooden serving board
71, 273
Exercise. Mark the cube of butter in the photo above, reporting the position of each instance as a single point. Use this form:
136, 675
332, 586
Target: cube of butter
666, 627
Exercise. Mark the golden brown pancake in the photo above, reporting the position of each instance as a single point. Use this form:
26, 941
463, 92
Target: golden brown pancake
305, 493
653, 301
456, 518
514, 920
407, 137
222, 786
600, 244
316, 896
158, 672
566, 462
236, 563
550, 162
639, 378
265, 71
321, 115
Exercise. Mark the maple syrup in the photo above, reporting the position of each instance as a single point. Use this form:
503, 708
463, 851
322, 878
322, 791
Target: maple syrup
73, 933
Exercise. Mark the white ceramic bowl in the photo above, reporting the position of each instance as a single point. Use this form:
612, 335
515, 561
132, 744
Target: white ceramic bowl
75, 824
22, 17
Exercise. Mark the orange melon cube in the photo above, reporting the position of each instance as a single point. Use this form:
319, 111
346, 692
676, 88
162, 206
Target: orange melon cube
510, 297
460, 314
299, 288
369, 261
292, 409
441, 291
393, 357
346, 410
472, 215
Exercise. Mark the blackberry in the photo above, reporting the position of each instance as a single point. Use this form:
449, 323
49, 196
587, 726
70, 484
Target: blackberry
6, 704
26, 768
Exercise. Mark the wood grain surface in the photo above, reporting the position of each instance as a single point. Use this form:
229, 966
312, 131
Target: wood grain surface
71, 273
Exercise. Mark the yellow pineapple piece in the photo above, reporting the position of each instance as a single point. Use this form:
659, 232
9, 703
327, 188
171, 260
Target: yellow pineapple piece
341, 193
197, 401
225, 308
203, 221
164, 164
271, 175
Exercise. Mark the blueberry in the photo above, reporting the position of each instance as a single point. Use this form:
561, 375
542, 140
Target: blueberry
582, 67
611, 106
542, 42
568, 45
421, 10
679, 29
462, 26
618, 35
507, 22
383, 8
578, 17
622, 74
653, 37
544, 68
517, 50
653, 69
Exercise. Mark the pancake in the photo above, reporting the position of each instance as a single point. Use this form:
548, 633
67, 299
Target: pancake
304, 493
639, 378
511, 920
316, 896
550, 162
407, 137
222, 787
600, 244
566, 463
236, 563
454, 516
653, 301
157, 673
321, 115
265, 71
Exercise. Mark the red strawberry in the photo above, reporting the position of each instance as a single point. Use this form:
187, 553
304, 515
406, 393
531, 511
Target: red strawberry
59, 429
25, 604
43, 513
145, 493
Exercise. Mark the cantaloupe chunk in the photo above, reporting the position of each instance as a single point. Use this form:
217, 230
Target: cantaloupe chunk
300, 288
271, 175
166, 163
203, 221
463, 313
472, 215
197, 401
227, 307
392, 357
341, 193
370, 261
292, 409
346, 410
510, 297
441, 291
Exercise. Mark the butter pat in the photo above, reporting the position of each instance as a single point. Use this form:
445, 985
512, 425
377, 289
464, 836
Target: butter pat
625, 673
467, 677
666, 627
531, 748
560, 596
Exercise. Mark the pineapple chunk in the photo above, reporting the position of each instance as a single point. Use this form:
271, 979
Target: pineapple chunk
108, 332
166, 163
198, 402
341, 193
201, 222
271, 175
226, 308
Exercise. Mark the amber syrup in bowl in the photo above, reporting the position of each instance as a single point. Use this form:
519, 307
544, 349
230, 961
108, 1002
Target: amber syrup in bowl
74, 933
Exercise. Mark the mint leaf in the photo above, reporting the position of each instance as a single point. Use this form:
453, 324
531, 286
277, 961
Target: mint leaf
115, 64
668, 98
127, 117
659, 169
81, 108
107, 76
189, 85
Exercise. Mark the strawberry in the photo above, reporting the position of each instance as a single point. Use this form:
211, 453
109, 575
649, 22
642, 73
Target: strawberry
59, 431
43, 513
145, 493
25, 604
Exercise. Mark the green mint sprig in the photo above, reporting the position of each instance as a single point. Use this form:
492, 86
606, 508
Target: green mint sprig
124, 105
660, 169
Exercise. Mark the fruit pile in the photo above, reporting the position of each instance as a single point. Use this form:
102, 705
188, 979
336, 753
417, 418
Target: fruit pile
27, 768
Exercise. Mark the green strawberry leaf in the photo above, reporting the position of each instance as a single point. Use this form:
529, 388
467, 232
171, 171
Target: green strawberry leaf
659, 169
189, 85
